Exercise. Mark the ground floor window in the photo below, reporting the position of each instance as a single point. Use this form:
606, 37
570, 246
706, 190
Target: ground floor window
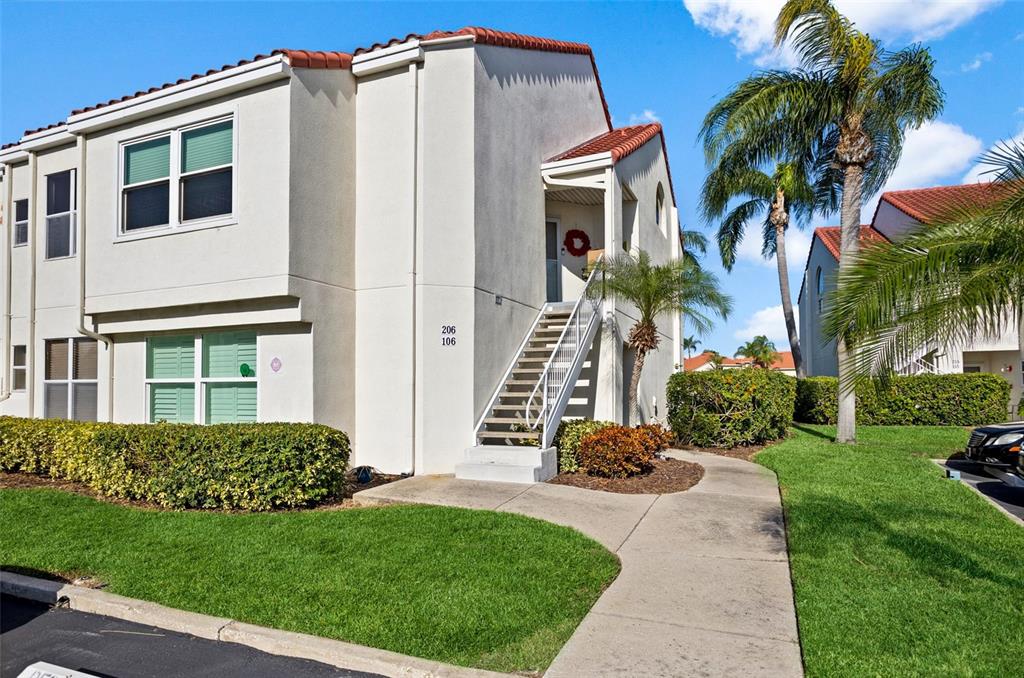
20, 368
69, 380
202, 378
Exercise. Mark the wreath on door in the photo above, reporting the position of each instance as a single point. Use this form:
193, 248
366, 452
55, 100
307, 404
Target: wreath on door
574, 236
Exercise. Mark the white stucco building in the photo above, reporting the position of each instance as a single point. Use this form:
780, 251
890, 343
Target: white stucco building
899, 212
366, 240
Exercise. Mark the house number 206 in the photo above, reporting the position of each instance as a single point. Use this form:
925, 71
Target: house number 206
447, 335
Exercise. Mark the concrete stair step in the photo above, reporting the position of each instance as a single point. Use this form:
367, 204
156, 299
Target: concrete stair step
508, 435
512, 464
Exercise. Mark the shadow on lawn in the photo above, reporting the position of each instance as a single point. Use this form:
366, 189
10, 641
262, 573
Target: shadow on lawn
856, 528
803, 428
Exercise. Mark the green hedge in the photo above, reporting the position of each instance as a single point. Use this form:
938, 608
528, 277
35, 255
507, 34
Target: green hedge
235, 466
922, 399
728, 408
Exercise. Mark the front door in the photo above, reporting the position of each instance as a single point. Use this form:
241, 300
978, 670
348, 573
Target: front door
554, 267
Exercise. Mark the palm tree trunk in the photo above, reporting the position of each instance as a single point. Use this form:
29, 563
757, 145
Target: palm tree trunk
634, 388
787, 301
853, 178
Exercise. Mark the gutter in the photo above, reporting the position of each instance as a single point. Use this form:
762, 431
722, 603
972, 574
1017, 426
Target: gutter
82, 329
8, 242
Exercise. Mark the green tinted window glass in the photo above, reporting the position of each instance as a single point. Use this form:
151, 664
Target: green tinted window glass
147, 160
172, 402
229, 354
227, 403
171, 357
206, 147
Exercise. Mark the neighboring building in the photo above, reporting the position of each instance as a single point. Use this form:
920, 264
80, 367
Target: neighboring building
364, 240
899, 212
703, 362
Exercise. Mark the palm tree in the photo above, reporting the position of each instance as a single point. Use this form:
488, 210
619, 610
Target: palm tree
760, 350
960, 277
716, 360
851, 102
655, 290
690, 345
787, 191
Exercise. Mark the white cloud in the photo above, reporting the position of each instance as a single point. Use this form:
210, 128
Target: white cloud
750, 24
640, 118
932, 154
979, 172
771, 323
798, 243
976, 63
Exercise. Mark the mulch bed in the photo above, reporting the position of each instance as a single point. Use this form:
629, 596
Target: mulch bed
667, 476
29, 480
745, 453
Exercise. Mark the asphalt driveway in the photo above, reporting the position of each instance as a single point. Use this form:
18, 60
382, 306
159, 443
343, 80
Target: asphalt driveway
108, 647
1011, 499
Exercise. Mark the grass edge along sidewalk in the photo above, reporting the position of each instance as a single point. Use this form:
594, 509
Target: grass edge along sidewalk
896, 570
500, 592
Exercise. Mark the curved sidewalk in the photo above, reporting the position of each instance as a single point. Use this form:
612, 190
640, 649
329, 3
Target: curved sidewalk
704, 589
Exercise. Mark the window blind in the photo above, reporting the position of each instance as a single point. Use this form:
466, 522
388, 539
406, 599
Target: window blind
175, 403
227, 403
57, 360
229, 354
84, 366
147, 161
171, 357
206, 147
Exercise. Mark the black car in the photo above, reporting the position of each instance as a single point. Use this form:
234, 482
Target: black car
997, 446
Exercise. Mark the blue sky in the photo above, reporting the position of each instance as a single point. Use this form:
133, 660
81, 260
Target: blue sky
665, 61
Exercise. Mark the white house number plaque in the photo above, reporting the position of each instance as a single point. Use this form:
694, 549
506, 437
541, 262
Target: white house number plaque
447, 335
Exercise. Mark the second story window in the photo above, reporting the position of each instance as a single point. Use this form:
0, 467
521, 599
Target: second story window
60, 214
178, 178
819, 285
20, 222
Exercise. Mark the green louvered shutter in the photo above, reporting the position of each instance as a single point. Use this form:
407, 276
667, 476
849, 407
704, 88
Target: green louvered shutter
226, 403
171, 357
147, 161
206, 147
172, 402
229, 354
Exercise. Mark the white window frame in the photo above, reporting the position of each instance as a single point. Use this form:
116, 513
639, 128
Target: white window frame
198, 381
70, 381
72, 215
16, 368
25, 222
175, 223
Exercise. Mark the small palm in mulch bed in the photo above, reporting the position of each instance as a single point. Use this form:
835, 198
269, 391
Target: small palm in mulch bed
667, 476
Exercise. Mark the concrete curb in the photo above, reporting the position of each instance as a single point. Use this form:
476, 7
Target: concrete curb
991, 502
286, 643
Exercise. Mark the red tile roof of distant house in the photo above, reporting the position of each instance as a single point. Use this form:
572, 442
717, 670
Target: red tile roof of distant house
929, 204
620, 143
488, 36
830, 237
783, 361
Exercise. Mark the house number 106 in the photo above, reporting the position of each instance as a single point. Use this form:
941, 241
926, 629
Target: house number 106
447, 335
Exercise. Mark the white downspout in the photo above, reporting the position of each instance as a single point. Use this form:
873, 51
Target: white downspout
33, 236
414, 77
82, 329
8, 279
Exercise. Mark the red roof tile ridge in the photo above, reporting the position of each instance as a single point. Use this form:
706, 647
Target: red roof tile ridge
830, 237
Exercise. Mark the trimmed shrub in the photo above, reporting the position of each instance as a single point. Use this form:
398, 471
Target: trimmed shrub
921, 399
728, 408
567, 440
233, 466
658, 437
616, 452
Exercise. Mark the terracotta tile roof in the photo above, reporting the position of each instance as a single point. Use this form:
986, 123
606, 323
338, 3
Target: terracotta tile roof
928, 204
830, 237
783, 361
620, 142
487, 36
54, 125
298, 58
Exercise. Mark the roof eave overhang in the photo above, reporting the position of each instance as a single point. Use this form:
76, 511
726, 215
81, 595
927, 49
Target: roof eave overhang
187, 93
583, 163
387, 59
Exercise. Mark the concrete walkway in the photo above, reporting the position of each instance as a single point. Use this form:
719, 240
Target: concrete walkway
704, 588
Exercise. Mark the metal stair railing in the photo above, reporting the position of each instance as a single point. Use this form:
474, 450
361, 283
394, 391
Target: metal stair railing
558, 379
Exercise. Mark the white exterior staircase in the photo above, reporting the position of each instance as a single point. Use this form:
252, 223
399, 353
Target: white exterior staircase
515, 433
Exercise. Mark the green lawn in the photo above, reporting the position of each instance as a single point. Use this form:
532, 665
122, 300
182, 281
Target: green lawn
897, 571
483, 589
